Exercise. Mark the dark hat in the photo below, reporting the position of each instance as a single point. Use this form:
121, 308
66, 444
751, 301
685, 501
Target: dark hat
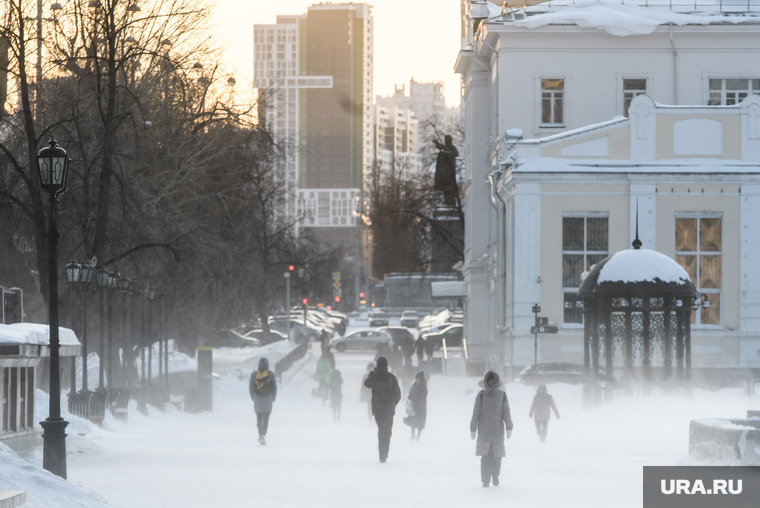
382, 362
263, 364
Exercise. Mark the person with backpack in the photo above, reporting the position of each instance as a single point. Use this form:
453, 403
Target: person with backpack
263, 390
542, 405
490, 417
386, 394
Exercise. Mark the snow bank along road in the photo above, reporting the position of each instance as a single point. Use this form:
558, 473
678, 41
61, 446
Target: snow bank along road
591, 458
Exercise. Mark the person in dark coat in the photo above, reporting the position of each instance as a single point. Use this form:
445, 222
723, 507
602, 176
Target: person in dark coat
429, 348
418, 396
420, 345
542, 405
365, 394
490, 417
386, 394
336, 394
263, 390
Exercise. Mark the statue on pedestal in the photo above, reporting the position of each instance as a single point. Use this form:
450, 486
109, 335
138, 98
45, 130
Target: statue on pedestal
446, 171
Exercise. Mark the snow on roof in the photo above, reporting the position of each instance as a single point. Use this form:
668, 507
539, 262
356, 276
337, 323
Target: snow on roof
622, 19
639, 265
566, 134
678, 166
34, 333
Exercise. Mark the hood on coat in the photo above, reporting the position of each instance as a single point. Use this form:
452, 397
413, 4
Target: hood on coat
542, 389
421, 376
263, 365
382, 363
496, 383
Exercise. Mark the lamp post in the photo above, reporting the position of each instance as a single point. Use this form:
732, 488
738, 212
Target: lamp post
53, 167
124, 289
73, 275
150, 294
113, 279
87, 276
101, 279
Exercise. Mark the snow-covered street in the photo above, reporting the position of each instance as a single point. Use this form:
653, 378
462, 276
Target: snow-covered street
591, 458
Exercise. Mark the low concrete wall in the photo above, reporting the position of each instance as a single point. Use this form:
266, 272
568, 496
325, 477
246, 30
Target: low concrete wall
22, 440
726, 439
12, 498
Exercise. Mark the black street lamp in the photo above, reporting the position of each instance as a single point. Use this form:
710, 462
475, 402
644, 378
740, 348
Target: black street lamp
124, 289
73, 275
101, 279
53, 167
132, 293
87, 276
150, 294
113, 279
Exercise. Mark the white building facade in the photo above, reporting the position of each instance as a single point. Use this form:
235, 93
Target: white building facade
552, 68
396, 130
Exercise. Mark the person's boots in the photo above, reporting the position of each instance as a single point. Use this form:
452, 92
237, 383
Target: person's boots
495, 481
485, 484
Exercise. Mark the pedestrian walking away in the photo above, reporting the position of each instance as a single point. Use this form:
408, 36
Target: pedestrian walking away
540, 410
429, 348
365, 394
386, 394
263, 390
490, 418
420, 345
323, 375
418, 398
336, 394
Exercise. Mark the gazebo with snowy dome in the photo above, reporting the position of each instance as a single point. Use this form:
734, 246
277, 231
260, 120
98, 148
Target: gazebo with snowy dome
636, 300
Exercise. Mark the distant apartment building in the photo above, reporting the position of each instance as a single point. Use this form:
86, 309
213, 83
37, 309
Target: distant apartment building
315, 73
428, 104
396, 130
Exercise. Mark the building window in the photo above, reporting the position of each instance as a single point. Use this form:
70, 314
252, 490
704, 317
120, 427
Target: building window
727, 92
632, 88
552, 91
584, 244
698, 251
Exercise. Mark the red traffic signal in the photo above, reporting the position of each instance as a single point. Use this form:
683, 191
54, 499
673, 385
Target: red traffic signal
337, 299
305, 301
291, 268
361, 295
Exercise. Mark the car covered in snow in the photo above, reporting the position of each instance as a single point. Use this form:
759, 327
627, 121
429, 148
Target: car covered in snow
361, 339
554, 372
398, 334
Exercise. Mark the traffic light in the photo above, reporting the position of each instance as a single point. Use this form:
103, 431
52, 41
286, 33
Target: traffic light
337, 299
291, 268
305, 301
361, 295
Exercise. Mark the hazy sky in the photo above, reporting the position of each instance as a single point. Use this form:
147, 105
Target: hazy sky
413, 38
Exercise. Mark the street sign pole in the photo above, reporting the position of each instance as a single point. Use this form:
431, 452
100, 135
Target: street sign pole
536, 309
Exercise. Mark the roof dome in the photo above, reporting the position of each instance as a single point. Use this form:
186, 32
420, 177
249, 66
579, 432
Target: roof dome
637, 271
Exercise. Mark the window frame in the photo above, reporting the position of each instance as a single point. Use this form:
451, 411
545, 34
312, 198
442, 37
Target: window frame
540, 127
719, 291
585, 252
707, 76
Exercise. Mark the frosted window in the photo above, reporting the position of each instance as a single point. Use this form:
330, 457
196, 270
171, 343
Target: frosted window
585, 242
698, 251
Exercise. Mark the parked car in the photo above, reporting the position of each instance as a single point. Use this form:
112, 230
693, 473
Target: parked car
378, 318
398, 334
452, 333
410, 318
265, 338
300, 332
340, 320
554, 372
361, 339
